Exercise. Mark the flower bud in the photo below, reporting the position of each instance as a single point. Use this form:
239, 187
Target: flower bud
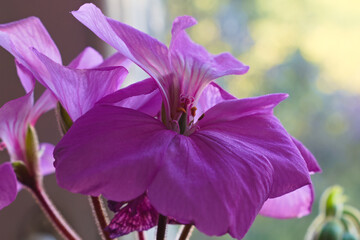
349, 236
63, 118
331, 230
22, 174
332, 202
32, 151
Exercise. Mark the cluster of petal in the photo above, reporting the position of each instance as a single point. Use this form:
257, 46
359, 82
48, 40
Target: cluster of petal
219, 174
78, 86
15, 117
182, 71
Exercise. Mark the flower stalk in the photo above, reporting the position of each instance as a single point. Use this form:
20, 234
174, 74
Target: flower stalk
53, 214
141, 236
161, 231
186, 231
100, 216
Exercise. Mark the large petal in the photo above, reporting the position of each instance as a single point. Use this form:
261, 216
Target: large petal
213, 181
142, 96
111, 151
145, 51
19, 37
88, 58
251, 120
46, 158
78, 90
291, 205
311, 162
8, 189
214, 94
196, 67
14, 117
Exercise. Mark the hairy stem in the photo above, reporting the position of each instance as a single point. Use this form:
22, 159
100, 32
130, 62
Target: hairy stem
160, 235
186, 232
53, 214
100, 216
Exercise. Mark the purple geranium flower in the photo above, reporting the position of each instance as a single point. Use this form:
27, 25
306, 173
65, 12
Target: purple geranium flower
79, 85
212, 167
15, 118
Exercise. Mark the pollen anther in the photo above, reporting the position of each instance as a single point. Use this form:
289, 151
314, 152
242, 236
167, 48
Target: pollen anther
181, 109
193, 111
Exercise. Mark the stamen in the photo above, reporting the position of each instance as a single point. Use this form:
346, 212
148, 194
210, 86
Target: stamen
181, 109
201, 117
193, 111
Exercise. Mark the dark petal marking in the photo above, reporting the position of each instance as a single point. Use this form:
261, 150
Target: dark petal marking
137, 215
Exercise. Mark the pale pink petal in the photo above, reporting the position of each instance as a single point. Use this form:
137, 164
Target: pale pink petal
14, 117
88, 58
111, 151
78, 90
46, 102
142, 96
212, 95
295, 204
46, 158
117, 59
26, 77
8, 190
251, 120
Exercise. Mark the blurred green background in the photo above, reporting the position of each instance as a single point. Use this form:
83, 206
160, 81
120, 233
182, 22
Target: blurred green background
309, 49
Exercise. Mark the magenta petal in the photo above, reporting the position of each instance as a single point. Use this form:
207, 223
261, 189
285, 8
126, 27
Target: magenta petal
137, 215
78, 90
19, 37
145, 51
195, 66
213, 181
294, 204
8, 182
88, 58
142, 96
311, 162
251, 121
117, 59
212, 95
130, 144
46, 158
